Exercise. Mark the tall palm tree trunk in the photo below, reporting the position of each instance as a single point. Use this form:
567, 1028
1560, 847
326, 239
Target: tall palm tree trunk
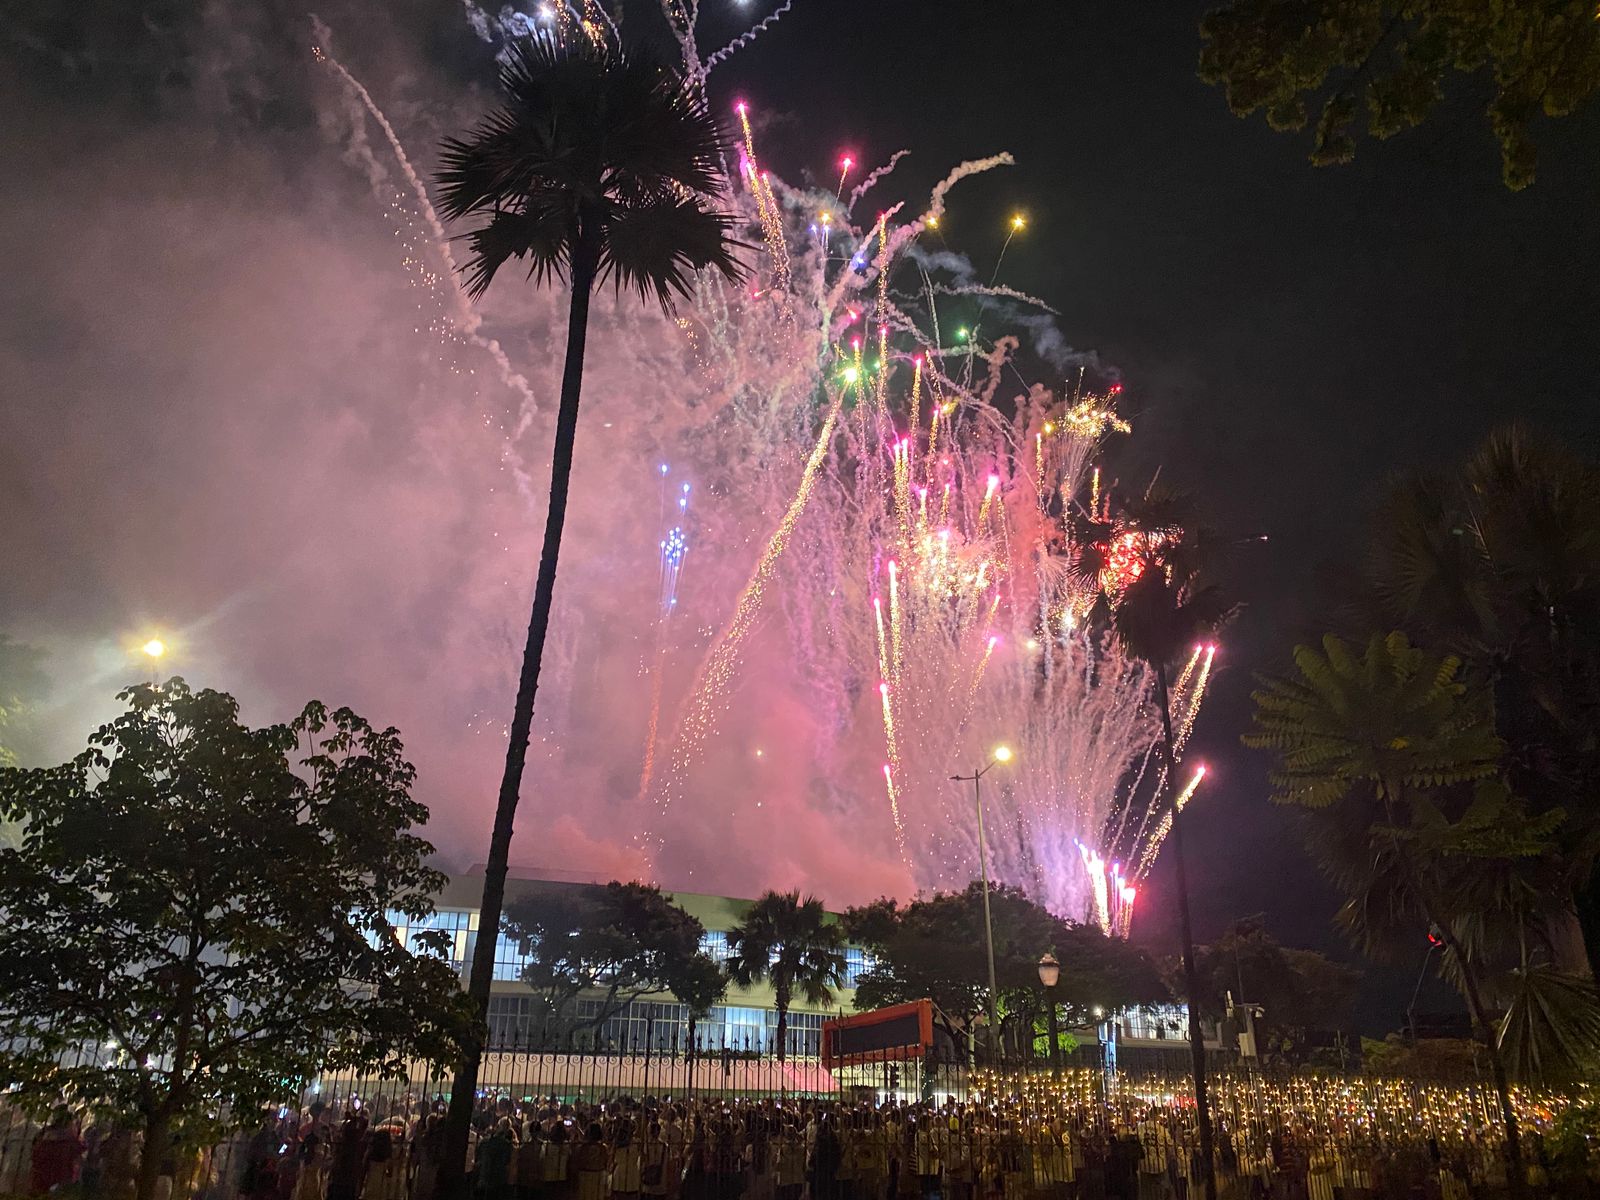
1437, 914
1191, 977
781, 999
463, 1093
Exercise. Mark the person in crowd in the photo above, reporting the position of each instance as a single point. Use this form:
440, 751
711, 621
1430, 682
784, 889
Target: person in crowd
627, 1162
591, 1162
555, 1162
386, 1161
261, 1155
494, 1176
825, 1157
530, 1165
347, 1158
427, 1151
653, 1157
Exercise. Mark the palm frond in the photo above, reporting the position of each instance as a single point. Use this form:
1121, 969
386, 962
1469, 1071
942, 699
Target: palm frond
1551, 1028
653, 249
543, 234
660, 137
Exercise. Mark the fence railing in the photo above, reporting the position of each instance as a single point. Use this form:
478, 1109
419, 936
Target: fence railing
1016, 1128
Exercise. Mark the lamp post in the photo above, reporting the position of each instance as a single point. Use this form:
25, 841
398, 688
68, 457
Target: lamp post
1049, 975
1002, 754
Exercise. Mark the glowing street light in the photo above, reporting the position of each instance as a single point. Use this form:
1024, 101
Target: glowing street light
1049, 976
1001, 754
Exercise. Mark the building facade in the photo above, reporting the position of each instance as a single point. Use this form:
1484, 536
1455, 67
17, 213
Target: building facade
745, 1021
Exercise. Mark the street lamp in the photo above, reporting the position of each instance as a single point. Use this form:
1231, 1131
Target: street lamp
1050, 975
1002, 754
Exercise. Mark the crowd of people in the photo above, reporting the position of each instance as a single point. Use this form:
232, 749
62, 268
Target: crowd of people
727, 1148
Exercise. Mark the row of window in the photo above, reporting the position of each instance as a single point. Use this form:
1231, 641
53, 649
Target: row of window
1156, 1022
461, 929
516, 1021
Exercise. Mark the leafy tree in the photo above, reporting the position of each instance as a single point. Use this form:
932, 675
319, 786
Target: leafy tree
1391, 58
1498, 562
933, 948
207, 907
698, 988
1299, 991
1385, 737
597, 166
790, 942
614, 943
1399, 1054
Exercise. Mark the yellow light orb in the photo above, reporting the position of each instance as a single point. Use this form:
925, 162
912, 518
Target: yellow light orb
154, 648
1019, 221
1002, 754
933, 222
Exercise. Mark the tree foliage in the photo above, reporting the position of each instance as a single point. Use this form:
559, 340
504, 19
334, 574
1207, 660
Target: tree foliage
934, 948
1498, 563
1395, 717
1395, 747
206, 908
612, 944
1383, 66
22, 685
597, 159
1300, 992
791, 942
1172, 599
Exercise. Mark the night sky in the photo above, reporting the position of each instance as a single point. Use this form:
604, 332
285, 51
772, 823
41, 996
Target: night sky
1287, 335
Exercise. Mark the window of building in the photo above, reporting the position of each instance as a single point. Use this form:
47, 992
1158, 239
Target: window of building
857, 962
1156, 1022
457, 924
715, 943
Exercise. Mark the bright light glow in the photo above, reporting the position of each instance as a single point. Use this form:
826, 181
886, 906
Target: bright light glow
154, 648
1019, 222
1002, 754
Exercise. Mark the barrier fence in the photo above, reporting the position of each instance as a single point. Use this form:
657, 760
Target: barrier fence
737, 1123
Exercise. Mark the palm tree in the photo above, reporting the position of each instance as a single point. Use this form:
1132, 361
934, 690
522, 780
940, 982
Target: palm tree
1499, 562
597, 166
790, 942
1157, 618
1393, 731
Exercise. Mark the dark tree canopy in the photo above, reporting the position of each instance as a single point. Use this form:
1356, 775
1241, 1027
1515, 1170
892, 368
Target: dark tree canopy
208, 905
1498, 562
1383, 66
1300, 992
934, 949
612, 944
